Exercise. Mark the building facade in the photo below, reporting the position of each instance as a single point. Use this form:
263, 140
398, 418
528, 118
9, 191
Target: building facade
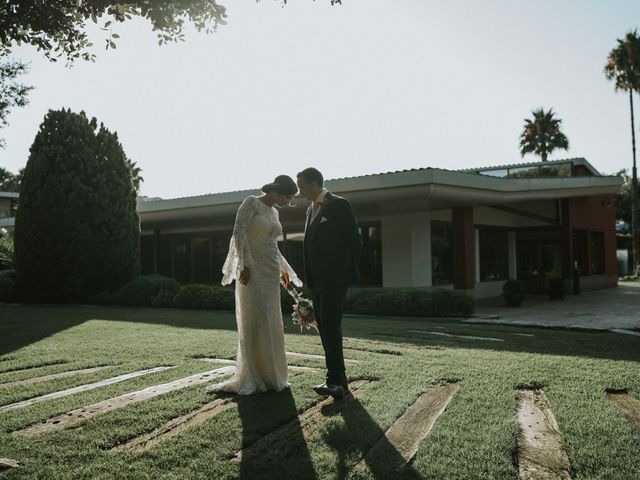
468, 230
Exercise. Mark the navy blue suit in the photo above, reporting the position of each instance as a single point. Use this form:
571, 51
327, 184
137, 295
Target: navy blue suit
332, 247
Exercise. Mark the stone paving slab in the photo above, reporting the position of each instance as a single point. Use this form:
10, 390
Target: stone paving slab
53, 376
541, 455
401, 441
606, 309
81, 414
83, 388
628, 406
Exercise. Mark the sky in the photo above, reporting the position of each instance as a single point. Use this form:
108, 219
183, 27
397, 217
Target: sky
365, 87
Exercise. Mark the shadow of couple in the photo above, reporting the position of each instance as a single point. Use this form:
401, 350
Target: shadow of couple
275, 447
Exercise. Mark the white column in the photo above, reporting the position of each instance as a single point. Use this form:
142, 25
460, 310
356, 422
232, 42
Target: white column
396, 251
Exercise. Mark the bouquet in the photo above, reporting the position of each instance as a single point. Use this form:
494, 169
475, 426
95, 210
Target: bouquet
303, 314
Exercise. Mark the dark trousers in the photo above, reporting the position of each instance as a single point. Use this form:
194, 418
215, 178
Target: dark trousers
328, 301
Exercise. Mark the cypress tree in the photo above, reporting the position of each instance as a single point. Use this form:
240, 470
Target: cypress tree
76, 229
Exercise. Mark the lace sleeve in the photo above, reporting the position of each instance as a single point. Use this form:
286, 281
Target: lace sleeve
285, 267
239, 255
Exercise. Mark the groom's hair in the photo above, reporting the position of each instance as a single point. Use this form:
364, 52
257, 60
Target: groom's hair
312, 175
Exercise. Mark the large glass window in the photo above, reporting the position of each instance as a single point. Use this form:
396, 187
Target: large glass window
371, 259
597, 253
146, 254
494, 254
441, 253
201, 258
190, 258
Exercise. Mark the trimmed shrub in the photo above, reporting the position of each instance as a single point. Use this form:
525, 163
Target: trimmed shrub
140, 291
77, 230
205, 297
7, 285
513, 293
412, 302
163, 299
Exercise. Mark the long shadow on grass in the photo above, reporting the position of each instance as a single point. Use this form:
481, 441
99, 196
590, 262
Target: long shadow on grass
352, 442
261, 414
21, 325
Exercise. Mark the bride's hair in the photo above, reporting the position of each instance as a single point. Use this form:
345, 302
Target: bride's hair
283, 184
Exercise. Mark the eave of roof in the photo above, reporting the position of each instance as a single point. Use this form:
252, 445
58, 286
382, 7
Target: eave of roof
476, 185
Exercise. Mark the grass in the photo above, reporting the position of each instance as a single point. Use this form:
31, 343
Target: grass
475, 438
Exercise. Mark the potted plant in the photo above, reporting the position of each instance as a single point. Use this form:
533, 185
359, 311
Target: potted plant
513, 292
556, 289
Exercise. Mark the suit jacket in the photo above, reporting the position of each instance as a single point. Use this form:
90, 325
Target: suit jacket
332, 243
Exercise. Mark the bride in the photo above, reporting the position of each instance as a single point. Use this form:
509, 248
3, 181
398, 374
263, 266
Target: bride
257, 265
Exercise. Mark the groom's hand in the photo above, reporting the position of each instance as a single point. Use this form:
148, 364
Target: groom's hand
284, 279
244, 276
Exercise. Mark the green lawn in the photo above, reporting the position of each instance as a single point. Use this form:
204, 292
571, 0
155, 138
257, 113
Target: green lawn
475, 437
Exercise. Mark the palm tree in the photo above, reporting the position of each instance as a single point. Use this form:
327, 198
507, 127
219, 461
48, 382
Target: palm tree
623, 66
542, 135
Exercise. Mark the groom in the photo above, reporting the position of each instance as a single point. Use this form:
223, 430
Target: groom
331, 254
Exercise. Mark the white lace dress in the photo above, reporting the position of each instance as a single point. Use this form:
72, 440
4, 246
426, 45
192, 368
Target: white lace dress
261, 361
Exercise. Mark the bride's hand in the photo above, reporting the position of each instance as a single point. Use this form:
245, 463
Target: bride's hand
244, 276
284, 279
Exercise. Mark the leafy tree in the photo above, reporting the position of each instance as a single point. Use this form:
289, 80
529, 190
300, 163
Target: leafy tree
542, 135
9, 182
12, 93
77, 229
623, 197
57, 26
623, 67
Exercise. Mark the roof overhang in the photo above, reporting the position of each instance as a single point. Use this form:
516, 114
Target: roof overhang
398, 192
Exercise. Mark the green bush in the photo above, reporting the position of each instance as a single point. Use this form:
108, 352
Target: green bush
411, 302
77, 230
7, 285
513, 293
163, 299
205, 297
6, 253
140, 291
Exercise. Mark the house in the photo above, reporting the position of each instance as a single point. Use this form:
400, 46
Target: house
468, 229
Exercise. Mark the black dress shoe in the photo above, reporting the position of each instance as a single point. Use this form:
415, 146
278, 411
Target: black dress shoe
330, 389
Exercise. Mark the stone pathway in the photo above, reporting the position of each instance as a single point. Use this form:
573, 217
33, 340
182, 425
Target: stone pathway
83, 388
606, 309
53, 376
409, 431
81, 414
540, 451
628, 406
6, 463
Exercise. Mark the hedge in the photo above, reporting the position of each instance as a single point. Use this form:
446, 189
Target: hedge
411, 302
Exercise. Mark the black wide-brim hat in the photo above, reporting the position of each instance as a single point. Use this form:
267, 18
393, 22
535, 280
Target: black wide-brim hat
282, 184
